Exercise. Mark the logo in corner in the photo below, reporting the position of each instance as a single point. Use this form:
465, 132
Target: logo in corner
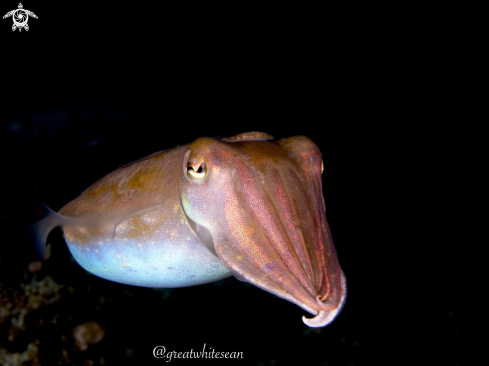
20, 17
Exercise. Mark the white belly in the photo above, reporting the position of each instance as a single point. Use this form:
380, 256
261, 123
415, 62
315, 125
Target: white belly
147, 251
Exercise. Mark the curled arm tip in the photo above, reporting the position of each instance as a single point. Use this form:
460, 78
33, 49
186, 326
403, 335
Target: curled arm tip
324, 317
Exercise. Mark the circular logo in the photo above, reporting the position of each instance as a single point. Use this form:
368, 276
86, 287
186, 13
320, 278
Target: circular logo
20, 17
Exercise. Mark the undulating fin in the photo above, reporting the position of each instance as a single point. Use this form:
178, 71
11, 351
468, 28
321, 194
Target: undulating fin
118, 219
254, 135
239, 278
39, 231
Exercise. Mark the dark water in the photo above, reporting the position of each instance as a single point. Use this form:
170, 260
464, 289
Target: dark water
89, 88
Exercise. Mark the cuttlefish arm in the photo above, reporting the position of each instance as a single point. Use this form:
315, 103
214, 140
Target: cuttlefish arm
262, 203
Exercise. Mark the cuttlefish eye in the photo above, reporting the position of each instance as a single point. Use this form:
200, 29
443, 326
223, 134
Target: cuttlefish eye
197, 171
322, 166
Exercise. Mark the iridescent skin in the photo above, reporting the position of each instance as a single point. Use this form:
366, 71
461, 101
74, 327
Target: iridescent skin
245, 206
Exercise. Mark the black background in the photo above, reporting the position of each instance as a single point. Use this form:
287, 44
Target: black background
91, 87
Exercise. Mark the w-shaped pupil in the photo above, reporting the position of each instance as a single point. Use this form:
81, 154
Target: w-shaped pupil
197, 171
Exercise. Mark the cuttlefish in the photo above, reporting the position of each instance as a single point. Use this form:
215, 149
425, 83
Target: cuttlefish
246, 205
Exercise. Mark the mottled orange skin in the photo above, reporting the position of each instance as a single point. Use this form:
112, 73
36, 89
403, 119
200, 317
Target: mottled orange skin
138, 184
123, 194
